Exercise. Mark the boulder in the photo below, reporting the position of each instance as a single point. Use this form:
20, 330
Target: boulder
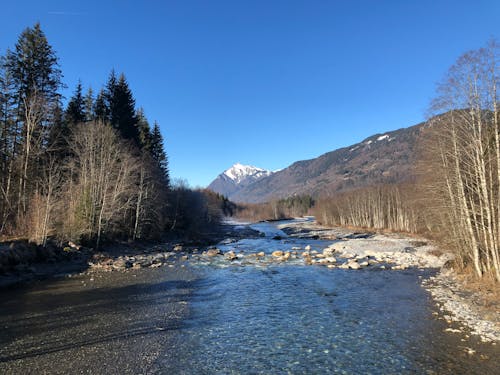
353, 265
277, 253
230, 255
261, 254
308, 247
328, 252
177, 248
213, 252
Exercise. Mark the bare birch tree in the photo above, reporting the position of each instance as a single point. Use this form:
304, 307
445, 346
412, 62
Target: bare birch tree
463, 151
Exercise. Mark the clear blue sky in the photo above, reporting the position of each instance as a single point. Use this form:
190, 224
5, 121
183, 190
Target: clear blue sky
264, 82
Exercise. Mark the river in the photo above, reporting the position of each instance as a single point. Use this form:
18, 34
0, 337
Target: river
222, 317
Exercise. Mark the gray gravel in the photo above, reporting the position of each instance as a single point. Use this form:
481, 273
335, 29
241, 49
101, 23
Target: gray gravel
107, 323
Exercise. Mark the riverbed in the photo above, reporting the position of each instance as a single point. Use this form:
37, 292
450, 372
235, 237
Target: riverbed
213, 316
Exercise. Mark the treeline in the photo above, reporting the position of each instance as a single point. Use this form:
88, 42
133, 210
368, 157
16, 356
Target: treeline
93, 170
294, 206
381, 207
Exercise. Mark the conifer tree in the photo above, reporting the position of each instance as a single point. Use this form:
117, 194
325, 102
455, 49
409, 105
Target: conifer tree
88, 101
122, 108
75, 112
144, 130
101, 109
36, 80
158, 152
34, 66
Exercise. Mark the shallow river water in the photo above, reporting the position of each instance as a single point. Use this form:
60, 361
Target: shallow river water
238, 318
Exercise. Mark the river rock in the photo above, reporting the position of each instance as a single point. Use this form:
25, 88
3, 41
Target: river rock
353, 265
320, 256
308, 247
230, 255
177, 248
213, 252
277, 253
306, 254
331, 260
328, 252
261, 254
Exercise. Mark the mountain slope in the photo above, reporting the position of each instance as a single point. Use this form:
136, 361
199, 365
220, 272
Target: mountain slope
237, 177
381, 158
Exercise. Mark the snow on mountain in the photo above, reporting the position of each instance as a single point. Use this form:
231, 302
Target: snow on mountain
238, 176
239, 173
382, 137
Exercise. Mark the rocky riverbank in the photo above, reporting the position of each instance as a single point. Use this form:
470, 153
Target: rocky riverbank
22, 261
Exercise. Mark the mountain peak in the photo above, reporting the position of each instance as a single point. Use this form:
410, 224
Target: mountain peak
238, 173
236, 177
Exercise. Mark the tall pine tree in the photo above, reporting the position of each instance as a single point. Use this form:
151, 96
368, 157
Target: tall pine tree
158, 153
121, 106
36, 79
101, 109
75, 111
144, 130
89, 105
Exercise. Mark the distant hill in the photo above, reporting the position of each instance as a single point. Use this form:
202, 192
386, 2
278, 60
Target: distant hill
236, 178
381, 158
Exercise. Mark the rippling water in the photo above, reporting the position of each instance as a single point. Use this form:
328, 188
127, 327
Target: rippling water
289, 318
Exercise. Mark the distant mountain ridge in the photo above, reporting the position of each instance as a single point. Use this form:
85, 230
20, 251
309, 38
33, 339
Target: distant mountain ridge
237, 177
381, 158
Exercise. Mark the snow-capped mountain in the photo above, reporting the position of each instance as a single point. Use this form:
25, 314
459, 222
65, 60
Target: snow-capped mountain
240, 173
236, 177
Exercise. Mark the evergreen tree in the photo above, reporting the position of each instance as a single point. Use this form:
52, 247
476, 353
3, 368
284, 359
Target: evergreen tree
101, 109
122, 108
36, 79
158, 152
34, 66
144, 130
75, 112
89, 105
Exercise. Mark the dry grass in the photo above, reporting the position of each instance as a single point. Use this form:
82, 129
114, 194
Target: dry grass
485, 288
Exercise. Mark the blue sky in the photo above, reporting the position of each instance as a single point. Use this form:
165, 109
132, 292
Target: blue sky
264, 82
